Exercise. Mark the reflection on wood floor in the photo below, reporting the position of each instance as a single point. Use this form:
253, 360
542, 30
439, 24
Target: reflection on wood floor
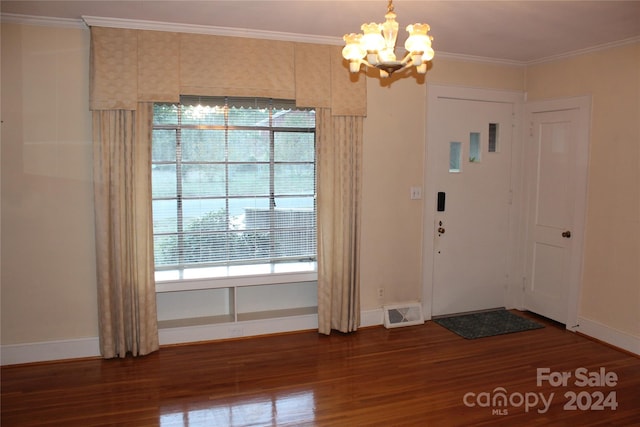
413, 376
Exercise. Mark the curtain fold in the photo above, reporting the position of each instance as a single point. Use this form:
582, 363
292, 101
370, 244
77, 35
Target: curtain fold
339, 159
124, 231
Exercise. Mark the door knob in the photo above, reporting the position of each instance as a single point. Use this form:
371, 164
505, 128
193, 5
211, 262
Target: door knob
441, 230
566, 234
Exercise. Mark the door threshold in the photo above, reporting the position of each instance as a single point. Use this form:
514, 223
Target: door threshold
440, 316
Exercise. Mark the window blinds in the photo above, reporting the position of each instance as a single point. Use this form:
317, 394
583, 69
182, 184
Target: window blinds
233, 182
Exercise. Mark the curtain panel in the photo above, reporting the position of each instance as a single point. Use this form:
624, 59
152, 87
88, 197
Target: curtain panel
131, 66
127, 316
339, 176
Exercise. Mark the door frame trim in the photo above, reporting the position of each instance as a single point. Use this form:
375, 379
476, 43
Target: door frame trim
576, 263
434, 92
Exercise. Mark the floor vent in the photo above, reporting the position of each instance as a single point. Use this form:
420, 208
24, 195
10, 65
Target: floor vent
406, 314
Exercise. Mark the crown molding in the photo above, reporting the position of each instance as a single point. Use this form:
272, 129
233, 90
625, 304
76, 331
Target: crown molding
207, 29
479, 59
585, 51
42, 21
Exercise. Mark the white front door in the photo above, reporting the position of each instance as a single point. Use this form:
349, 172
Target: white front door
556, 162
468, 184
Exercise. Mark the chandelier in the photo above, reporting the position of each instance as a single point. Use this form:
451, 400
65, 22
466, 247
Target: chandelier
375, 48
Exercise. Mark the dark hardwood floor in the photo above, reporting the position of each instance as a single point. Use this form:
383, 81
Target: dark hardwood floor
413, 376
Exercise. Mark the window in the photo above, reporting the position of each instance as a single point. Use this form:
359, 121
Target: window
455, 154
474, 147
493, 137
233, 184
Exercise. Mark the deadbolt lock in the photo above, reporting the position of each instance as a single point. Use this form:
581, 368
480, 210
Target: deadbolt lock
441, 230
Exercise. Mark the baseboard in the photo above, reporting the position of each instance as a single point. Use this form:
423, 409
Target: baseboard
13, 354
371, 317
609, 335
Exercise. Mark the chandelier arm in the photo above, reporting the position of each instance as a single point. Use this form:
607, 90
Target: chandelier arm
367, 63
407, 60
404, 67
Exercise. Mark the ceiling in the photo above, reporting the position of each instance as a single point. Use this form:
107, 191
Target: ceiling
516, 31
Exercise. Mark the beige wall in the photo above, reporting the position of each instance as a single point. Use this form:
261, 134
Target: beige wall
393, 155
611, 283
48, 268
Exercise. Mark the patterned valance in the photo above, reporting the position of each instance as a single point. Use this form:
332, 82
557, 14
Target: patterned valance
131, 66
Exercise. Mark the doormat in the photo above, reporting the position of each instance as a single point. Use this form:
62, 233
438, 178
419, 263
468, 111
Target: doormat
487, 324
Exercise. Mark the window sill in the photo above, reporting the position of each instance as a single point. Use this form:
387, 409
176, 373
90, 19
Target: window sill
228, 277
